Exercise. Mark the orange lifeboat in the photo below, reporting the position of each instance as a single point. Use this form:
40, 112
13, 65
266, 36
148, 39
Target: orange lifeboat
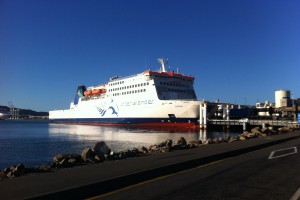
87, 93
96, 91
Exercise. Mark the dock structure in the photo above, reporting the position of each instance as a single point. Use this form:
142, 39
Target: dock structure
209, 109
203, 115
250, 122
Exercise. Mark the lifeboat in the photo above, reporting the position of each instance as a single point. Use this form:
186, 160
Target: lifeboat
96, 91
87, 93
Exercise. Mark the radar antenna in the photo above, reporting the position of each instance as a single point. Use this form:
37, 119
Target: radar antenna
163, 61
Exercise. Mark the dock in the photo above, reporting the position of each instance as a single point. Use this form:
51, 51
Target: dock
208, 110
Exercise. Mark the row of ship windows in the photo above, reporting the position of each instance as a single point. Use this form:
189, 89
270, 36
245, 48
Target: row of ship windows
174, 84
170, 77
175, 90
129, 92
116, 83
129, 86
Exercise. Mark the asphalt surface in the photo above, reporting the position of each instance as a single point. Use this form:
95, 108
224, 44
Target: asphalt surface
93, 180
264, 174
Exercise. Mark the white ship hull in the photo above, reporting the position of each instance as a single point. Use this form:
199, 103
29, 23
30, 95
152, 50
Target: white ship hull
138, 112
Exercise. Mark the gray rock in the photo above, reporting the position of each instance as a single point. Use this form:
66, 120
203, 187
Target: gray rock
193, 144
231, 139
99, 158
10, 174
87, 154
154, 149
101, 150
3, 176
182, 142
256, 130
241, 138
144, 150
19, 170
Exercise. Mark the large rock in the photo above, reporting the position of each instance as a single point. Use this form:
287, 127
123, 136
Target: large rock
143, 149
87, 154
154, 149
249, 135
19, 170
181, 141
180, 144
256, 130
193, 144
231, 139
67, 160
3, 176
101, 150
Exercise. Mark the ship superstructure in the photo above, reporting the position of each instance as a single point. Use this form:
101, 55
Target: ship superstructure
151, 98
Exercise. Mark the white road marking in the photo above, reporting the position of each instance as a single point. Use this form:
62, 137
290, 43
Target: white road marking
296, 195
273, 152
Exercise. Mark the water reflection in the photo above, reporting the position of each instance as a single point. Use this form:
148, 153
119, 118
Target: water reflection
117, 134
37, 142
122, 138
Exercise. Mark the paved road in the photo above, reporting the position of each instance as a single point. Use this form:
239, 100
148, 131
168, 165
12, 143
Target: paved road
257, 175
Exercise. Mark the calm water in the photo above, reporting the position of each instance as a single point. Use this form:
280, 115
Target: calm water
37, 142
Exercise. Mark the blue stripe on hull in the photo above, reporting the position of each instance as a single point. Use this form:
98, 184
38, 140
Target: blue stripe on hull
124, 121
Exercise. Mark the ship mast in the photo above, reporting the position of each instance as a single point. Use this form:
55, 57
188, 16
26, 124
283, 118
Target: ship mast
163, 61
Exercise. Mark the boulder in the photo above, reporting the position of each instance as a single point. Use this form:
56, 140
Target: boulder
266, 131
193, 144
58, 158
169, 143
249, 135
101, 150
10, 174
19, 170
208, 141
87, 154
3, 176
180, 144
181, 141
99, 158
164, 149
217, 140
47, 168
143, 149
291, 127
283, 130
231, 139
154, 149
63, 160
6, 170
241, 138
256, 130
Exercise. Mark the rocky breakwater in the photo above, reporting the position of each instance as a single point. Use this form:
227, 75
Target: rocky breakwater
101, 152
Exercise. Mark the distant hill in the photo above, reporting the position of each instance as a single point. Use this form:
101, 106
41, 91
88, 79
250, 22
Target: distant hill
25, 113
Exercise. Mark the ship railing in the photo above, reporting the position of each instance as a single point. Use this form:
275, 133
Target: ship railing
121, 78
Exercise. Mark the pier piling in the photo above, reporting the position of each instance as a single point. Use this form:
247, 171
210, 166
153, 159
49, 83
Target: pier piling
203, 115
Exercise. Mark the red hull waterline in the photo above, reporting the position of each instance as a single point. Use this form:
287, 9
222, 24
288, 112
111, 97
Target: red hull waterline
162, 126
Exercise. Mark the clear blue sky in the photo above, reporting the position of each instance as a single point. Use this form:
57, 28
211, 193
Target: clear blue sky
239, 51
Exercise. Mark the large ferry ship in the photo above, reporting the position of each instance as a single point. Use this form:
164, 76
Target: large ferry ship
160, 98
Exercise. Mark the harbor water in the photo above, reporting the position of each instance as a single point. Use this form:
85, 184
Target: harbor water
36, 142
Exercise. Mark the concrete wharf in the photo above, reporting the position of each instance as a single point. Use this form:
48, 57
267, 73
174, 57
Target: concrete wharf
251, 122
